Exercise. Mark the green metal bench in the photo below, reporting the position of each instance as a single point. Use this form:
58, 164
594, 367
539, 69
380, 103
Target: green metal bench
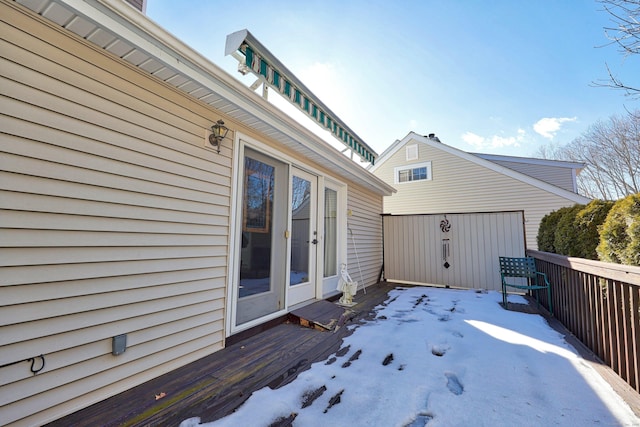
523, 268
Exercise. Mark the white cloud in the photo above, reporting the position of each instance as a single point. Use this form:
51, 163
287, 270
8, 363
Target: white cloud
500, 141
495, 141
473, 139
549, 126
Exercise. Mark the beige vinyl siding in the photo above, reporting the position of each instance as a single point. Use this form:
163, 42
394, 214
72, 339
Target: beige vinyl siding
559, 176
459, 186
364, 227
114, 220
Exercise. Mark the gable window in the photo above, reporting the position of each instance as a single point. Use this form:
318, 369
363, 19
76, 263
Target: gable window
412, 152
415, 172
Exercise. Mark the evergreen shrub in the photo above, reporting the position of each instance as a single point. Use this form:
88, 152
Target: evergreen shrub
620, 233
588, 223
566, 235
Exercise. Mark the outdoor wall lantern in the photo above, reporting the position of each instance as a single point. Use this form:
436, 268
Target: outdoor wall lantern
218, 133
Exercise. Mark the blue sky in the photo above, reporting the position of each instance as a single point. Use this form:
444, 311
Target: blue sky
501, 77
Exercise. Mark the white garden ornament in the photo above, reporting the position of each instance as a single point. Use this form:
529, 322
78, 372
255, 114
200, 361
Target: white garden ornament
347, 286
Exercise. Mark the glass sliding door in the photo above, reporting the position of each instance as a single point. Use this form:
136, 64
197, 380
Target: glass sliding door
261, 289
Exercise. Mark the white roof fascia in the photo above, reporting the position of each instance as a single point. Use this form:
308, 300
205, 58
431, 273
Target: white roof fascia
574, 179
128, 24
497, 168
386, 154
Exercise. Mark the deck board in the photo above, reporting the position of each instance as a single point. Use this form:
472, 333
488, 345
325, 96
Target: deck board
216, 385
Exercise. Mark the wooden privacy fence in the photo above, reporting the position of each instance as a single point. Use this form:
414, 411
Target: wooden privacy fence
599, 303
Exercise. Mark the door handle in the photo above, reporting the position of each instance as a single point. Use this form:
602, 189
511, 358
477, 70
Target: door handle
314, 241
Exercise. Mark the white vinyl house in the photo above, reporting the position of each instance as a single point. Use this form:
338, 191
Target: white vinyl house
431, 177
132, 241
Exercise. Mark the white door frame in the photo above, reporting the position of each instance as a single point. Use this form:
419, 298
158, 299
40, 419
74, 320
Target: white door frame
235, 229
330, 283
305, 291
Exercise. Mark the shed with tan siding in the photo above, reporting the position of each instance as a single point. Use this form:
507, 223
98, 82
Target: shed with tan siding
117, 215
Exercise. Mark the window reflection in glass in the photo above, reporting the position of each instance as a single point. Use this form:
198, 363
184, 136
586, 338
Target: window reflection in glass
255, 256
300, 230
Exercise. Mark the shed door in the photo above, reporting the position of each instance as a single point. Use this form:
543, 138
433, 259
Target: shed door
457, 250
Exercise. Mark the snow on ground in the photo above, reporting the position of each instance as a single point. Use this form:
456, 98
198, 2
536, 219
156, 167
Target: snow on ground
442, 357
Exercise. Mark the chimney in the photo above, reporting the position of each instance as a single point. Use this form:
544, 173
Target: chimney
433, 137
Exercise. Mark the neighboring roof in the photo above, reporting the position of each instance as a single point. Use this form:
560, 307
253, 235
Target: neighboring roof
435, 143
533, 161
120, 29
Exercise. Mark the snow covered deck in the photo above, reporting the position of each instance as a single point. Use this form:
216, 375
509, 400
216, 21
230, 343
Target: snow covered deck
421, 353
